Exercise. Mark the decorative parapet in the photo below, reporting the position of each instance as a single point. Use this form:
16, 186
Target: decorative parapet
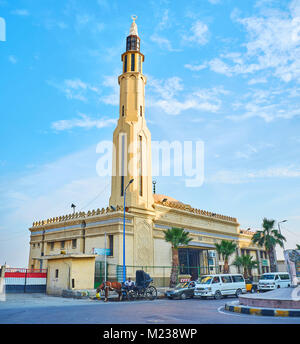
187, 207
77, 215
246, 232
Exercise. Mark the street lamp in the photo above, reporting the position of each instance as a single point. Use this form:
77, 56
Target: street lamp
280, 229
124, 267
73, 206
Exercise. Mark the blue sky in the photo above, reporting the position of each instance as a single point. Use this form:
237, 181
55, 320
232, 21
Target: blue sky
222, 71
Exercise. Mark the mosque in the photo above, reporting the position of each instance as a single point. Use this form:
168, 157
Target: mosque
147, 214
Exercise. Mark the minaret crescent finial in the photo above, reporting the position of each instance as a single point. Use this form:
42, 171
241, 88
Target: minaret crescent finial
134, 17
133, 28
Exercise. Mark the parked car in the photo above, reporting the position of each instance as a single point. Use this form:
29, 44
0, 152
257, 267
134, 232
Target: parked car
182, 291
274, 280
251, 286
220, 285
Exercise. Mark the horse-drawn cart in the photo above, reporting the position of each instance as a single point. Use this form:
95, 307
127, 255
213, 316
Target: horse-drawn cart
142, 288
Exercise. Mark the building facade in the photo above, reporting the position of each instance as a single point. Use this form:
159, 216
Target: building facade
147, 215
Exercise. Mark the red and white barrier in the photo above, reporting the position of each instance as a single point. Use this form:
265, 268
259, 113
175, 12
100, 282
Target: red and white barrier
25, 280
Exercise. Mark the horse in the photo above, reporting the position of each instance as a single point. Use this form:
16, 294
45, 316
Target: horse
111, 286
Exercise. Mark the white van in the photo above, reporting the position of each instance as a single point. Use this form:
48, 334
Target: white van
220, 285
274, 280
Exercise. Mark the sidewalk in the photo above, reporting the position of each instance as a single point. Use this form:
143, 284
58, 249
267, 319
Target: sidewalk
91, 293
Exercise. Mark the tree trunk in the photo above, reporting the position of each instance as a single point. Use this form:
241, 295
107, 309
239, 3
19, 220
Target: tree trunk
273, 266
245, 272
174, 271
226, 266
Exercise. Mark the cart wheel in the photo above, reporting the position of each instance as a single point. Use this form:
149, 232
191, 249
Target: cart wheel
131, 295
151, 293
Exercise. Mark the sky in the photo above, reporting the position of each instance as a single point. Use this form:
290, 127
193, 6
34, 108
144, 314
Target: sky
223, 72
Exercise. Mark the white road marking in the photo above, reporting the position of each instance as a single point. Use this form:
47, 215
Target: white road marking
219, 310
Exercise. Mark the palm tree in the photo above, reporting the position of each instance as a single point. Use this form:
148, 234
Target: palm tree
269, 238
176, 236
247, 263
226, 249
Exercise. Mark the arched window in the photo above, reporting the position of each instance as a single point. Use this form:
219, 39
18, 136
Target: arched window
140, 63
123, 111
141, 166
132, 62
122, 164
125, 64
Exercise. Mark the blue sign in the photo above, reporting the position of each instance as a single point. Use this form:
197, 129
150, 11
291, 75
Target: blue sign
101, 251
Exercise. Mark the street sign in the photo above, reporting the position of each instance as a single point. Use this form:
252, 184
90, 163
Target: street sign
102, 251
264, 262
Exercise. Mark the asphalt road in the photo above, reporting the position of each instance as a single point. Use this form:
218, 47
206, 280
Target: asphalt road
42, 309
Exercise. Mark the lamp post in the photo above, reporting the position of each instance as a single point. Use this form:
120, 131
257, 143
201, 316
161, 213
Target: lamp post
280, 229
124, 267
274, 249
73, 206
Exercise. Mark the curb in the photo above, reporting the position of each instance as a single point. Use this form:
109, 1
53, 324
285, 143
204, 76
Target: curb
231, 307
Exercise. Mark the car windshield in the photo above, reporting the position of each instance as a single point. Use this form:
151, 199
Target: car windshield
267, 277
205, 280
181, 285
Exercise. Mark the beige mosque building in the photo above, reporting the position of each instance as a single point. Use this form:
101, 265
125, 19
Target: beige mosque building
147, 215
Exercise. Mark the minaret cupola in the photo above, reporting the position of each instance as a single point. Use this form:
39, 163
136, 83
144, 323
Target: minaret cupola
132, 59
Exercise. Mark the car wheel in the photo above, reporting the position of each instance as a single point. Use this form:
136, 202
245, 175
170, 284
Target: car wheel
278, 286
238, 292
218, 295
203, 297
170, 298
183, 296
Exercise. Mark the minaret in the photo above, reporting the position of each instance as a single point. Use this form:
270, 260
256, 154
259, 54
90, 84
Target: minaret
132, 138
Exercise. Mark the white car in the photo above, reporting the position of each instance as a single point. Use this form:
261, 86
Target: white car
220, 285
274, 280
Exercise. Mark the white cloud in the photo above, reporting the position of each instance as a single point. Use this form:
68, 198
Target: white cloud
199, 33
252, 149
165, 20
164, 43
254, 81
165, 94
273, 42
83, 121
195, 68
12, 59
112, 98
103, 3
21, 12
75, 88
269, 104
239, 177
53, 24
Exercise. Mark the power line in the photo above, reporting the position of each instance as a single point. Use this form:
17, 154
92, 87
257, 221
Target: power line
298, 236
101, 192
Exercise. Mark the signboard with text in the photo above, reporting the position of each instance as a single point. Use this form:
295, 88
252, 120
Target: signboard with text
102, 251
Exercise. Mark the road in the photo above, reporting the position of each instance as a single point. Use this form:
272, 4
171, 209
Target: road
43, 309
